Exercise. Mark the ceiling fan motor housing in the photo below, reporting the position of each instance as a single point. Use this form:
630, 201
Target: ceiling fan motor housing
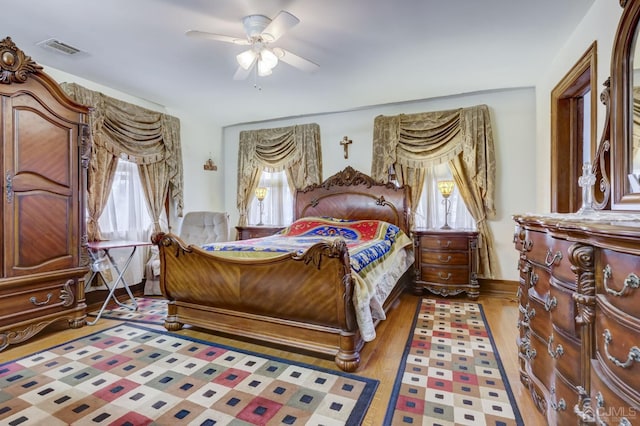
254, 25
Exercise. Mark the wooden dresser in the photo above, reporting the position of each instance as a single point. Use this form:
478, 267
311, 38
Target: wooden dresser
579, 301
446, 262
45, 148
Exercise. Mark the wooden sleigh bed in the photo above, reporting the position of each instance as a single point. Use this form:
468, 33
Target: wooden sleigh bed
301, 300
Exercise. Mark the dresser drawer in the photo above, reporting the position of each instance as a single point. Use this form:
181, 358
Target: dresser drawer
445, 258
539, 243
563, 397
610, 404
617, 344
617, 280
566, 351
539, 282
557, 258
562, 308
539, 318
36, 299
540, 363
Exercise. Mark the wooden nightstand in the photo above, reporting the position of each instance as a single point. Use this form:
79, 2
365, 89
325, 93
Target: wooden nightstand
446, 262
255, 231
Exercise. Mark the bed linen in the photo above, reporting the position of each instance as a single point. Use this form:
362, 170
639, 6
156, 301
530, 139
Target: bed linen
379, 253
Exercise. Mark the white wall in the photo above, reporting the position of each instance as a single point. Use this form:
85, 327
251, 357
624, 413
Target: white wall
200, 138
520, 117
513, 118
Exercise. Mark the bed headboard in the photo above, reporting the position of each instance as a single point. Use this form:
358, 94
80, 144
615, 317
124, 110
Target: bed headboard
350, 194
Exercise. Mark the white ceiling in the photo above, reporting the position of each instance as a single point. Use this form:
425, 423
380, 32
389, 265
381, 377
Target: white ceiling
370, 51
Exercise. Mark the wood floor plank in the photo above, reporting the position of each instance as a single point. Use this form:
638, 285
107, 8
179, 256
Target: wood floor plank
380, 359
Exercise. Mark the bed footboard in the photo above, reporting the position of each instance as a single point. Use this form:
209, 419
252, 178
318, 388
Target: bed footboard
300, 301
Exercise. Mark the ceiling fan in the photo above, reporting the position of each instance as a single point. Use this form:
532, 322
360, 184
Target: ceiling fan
260, 33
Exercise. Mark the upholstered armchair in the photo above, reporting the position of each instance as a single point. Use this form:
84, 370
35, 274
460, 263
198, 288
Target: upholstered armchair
197, 228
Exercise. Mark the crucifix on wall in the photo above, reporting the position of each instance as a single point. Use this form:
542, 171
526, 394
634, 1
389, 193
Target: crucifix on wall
345, 142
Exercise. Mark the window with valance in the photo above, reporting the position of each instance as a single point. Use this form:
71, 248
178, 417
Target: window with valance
463, 138
294, 149
147, 138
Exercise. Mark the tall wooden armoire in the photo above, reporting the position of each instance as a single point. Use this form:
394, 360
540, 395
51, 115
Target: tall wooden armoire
44, 160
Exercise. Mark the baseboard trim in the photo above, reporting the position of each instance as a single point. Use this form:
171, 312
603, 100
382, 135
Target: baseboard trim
95, 298
498, 288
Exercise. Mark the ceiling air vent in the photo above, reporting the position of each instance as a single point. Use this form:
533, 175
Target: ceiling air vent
58, 46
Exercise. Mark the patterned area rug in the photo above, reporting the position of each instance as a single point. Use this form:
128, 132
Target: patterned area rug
451, 372
132, 375
150, 310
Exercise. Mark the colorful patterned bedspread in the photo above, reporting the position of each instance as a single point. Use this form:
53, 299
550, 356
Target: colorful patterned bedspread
367, 240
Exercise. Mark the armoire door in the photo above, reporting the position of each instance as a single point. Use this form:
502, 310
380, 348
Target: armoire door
40, 197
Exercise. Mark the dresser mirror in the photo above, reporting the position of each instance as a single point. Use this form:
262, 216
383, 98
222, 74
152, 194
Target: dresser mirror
624, 111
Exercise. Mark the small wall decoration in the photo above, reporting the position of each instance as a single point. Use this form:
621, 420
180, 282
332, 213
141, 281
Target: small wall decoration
210, 165
345, 142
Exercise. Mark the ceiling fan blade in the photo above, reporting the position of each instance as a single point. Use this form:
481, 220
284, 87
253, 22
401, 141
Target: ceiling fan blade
295, 60
282, 23
242, 74
216, 37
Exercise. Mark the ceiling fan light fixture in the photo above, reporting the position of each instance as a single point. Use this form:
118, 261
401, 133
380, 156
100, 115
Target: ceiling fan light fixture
268, 58
246, 58
264, 69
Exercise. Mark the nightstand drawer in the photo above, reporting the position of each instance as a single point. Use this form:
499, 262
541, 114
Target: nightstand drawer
444, 242
248, 232
445, 258
441, 275
446, 262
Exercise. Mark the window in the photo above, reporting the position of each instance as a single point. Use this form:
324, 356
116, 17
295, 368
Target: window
125, 217
278, 203
430, 210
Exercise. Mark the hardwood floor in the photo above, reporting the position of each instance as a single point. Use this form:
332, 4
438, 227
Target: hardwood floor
379, 361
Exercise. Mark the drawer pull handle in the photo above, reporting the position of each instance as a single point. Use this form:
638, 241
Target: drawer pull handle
560, 405
530, 353
550, 304
600, 404
534, 279
526, 314
445, 246
443, 260
35, 301
583, 408
443, 276
548, 261
634, 352
632, 281
554, 353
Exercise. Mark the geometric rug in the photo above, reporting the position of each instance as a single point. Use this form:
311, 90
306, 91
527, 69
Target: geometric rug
150, 310
451, 371
132, 375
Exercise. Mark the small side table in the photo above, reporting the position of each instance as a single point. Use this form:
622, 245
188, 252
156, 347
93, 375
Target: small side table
446, 262
255, 231
99, 248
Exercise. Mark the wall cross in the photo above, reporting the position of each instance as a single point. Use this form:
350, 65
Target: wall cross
345, 142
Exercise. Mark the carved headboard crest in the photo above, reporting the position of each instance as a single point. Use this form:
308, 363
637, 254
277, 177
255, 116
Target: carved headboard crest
15, 66
347, 177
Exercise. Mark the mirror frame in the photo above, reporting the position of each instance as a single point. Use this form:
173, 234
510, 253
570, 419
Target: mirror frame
620, 116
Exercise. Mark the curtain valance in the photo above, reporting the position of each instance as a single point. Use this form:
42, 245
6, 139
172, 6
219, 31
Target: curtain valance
463, 137
148, 138
295, 149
